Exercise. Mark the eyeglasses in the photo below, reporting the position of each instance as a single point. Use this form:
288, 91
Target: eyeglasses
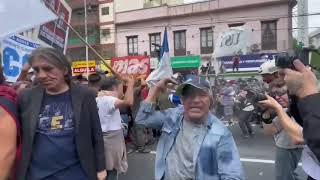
278, 92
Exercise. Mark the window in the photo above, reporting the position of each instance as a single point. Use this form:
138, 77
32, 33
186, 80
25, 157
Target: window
105, 33
206, 40
105, 11
132, 42
180, 43
154, 38
269, 35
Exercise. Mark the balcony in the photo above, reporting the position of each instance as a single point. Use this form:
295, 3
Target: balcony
75, 4
78, 20
92, 40
153, 3
78, 16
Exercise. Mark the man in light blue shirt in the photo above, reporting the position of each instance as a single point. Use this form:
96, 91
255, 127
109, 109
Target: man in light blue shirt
194, 144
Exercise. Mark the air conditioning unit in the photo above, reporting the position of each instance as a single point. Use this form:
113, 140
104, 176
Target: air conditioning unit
105, 32
255, 48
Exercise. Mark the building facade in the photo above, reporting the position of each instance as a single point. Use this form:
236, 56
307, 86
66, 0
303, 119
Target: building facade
76, 48
193, 29
101, 24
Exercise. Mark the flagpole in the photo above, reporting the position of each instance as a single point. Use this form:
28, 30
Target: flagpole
86, 43
86, 35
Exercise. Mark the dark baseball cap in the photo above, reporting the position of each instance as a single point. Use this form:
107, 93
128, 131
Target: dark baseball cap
197, 82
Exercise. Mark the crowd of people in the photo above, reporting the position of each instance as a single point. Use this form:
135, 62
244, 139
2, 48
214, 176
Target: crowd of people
55, 126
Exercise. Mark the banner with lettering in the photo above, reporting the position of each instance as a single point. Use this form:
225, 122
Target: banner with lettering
249, 62
138, 66
231, 42
80, 67
15, 52
55, 33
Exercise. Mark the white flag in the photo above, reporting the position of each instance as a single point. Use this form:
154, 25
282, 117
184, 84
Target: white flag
164, 69
20, 15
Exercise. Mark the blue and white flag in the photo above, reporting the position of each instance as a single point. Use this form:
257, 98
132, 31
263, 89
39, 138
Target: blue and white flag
164, 69
20, 15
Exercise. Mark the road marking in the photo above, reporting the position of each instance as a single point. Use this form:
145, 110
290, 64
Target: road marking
265, 161
153, 152
257, 160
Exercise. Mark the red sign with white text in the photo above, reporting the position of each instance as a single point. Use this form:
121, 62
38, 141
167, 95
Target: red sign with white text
138, 66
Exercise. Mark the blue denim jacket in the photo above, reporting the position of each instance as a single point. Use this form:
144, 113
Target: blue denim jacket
216, 158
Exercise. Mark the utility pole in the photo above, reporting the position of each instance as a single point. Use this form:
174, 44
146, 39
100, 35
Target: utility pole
303, 23
86, 34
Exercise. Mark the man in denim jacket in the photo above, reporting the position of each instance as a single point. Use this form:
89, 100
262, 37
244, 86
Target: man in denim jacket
194, 144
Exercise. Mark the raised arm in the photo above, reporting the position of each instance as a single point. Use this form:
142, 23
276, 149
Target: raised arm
293, 129
128, 97
147, 115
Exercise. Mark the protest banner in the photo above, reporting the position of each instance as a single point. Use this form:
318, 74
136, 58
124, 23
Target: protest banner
138, 66
80, 67
250, 62
55, 33
15, 52
231, 42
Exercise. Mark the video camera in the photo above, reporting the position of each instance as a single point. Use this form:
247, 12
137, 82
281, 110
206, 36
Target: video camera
285, 59
255, 95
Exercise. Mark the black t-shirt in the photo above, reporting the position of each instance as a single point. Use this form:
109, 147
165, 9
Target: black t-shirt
54, 154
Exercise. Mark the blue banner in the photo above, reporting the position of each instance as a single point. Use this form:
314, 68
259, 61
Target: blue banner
250, 62
15, 53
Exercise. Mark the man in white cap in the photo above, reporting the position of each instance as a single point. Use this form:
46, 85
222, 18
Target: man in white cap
269, 71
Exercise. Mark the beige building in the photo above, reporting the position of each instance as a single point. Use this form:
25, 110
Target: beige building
101, 24
128, 5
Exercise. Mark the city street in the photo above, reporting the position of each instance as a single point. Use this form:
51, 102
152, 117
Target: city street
257, 156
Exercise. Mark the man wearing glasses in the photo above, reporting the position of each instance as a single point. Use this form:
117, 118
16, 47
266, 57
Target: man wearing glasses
288, 153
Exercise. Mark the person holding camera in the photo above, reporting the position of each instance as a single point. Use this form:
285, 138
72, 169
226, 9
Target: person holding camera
288, 153
302, 83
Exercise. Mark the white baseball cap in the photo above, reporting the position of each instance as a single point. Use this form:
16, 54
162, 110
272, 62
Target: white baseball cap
268, 67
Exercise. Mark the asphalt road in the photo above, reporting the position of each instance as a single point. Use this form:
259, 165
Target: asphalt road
257, 155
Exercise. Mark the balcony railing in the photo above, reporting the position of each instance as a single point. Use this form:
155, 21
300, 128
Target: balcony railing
153, 3
77, 20
93, 39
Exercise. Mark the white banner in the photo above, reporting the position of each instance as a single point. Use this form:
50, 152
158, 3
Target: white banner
15, 52
231, 42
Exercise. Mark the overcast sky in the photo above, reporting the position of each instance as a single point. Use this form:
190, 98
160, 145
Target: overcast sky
314, 7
